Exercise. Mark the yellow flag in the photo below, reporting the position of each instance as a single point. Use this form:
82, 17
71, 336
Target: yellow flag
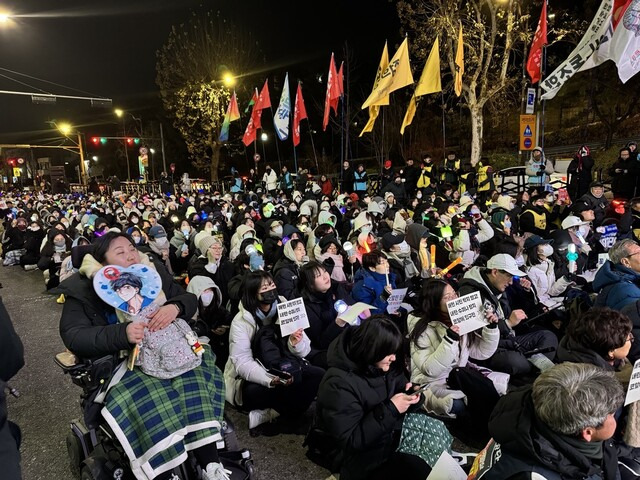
430, 79
375, 109
396, 75
429, 83
459, 63
408, 117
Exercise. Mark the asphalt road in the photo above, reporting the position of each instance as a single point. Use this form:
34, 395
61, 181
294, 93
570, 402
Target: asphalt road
49, 401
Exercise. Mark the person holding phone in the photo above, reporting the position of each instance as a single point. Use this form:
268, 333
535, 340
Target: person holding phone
249, 384
362, 402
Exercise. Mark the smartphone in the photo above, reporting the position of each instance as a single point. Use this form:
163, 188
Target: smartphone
283, 376
415, 391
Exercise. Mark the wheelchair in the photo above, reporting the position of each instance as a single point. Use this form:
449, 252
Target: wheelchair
93, 449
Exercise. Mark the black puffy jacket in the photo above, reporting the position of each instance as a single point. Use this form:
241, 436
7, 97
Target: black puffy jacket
88, 325
355, 409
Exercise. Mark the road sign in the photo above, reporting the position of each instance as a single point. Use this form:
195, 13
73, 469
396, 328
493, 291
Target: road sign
21, 161
256, 157
17, 171
527, 132
531, 100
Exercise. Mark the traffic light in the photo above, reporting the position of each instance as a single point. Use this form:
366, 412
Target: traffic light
136, 141
95, 140
130, 141
11, 161
103, 141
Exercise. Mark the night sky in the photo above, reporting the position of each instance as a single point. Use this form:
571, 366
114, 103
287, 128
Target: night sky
107, 48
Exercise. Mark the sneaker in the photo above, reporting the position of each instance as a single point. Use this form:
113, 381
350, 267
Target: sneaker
60, 299
215, 471
29, 268
258, 417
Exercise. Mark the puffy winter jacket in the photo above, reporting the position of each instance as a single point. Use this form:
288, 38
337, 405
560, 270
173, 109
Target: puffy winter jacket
616, 285
548, 288
369, 288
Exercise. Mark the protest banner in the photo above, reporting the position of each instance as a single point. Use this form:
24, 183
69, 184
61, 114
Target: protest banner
292, 316
467, 313
633, 392
395, 299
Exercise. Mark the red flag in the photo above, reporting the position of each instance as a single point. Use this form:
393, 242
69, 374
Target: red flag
264, 101
535, 54
299, 113
254, 122
333, 93
341, 79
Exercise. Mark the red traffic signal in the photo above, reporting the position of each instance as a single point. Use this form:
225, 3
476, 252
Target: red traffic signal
95, 140
130, 141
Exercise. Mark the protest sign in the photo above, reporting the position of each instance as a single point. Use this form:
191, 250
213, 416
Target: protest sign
467, 313
292, 316
446, 468
633, 392
352, 313
395, 299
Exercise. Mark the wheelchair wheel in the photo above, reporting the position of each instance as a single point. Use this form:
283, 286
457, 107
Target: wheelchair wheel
76, 454
87, 474
251, 470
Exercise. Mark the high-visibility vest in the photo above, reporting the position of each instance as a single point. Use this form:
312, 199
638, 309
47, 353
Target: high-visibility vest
425, 180
482, 178
539, 219
456, 167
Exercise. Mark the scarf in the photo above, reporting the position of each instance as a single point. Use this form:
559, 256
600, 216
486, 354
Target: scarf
404, 259
290, 254
161, 251
267, 318
60, 249
337, 273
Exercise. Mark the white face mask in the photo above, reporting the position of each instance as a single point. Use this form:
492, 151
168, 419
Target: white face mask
277, 231
507, 224
583, 230
365, 229
546, 250
161, 242
404, 247
136, 240
185, 232
206, 297
247, 235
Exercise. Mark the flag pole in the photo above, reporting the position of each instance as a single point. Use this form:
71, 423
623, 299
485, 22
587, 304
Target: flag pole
295, 162
382, 143
313, 146
276, 140
543, 62
444, 126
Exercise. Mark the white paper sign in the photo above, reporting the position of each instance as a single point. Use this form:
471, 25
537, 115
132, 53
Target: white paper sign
446, 468
633, 392
395, 299
292, 316
467, 313
351, 315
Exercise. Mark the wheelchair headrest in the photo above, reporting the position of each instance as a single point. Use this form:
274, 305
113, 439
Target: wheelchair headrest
77, 254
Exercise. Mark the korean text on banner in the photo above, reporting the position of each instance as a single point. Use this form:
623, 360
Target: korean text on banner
467, 313
395, 299
633, 392
292, 316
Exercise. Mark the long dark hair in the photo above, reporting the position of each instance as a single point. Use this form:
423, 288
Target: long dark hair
250, 288
376, 338
430, 297
307, 277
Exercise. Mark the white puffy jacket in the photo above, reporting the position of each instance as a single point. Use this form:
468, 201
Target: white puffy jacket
436, 355
462, 243
242, 366
549, 289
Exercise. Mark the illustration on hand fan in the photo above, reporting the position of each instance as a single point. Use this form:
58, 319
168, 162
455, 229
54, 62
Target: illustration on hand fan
128, 289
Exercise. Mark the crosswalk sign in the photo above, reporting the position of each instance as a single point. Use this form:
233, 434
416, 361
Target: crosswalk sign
527, 132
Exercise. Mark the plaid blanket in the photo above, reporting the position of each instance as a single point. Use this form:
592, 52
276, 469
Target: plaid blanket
159, 421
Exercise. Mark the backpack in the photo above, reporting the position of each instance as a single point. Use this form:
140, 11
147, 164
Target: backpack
270, 349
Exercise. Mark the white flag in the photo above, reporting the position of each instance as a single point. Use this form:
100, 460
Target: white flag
281, 118
595, 36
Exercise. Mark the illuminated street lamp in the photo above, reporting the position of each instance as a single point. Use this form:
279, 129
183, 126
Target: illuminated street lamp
228, 79
119, 112
264, 137
65, 128
5, 17
95, 158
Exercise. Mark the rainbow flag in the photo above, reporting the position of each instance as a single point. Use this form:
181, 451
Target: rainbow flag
232, 115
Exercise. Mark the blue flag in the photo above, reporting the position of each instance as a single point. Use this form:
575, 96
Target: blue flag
281, 118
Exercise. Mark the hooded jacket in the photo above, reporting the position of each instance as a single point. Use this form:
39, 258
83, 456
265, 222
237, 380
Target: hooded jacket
522, 446
355, 409
617, 286
539, 170
369, 288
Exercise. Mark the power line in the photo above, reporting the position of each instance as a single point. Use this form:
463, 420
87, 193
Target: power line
23, 83
49, 82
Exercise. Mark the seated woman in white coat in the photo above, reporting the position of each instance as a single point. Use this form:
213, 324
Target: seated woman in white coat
439, 353
470, 230
267, 376
541, 272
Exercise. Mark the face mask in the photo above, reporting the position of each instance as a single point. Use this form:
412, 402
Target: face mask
583, 230
277, 231
186, 232
419, 195
161, 242
365, 229
293, 208
404, 247
475, 211
507, 224
59, 243
268, 297
137, 240
134, 220
546, 250
206, 298
34, 218
247, 235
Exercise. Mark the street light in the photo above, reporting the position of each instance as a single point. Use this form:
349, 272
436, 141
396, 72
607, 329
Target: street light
264, 137
67, 129
95, 158
228, 79
119, 112
5, 17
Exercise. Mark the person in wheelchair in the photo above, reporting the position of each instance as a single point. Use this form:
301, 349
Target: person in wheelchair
156, 421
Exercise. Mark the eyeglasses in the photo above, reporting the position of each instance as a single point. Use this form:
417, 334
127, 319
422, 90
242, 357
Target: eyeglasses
632, 254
